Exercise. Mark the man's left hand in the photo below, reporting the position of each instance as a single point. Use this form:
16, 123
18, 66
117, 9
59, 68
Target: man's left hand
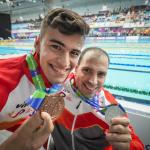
119, 134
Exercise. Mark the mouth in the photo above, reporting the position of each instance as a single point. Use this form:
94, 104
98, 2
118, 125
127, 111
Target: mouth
58, 70
90, 88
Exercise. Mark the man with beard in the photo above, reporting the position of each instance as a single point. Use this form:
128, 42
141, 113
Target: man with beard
82, 125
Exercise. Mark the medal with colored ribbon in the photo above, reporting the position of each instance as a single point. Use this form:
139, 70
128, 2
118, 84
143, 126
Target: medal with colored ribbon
110, 111
42, 99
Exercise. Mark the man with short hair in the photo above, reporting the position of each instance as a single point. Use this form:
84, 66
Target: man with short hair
83, 126
56, 53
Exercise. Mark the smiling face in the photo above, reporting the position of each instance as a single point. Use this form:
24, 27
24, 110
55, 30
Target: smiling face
91, 73
58, 54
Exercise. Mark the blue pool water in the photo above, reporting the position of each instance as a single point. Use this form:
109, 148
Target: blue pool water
129, 65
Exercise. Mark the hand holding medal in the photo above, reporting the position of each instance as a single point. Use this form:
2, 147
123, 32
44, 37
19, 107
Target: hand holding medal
119, 134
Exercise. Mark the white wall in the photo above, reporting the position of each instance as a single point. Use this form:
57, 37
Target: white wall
81, 10
141, 127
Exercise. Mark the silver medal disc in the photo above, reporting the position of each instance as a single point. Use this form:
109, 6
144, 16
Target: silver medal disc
113, 111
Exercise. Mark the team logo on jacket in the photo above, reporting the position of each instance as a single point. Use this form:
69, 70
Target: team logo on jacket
65, 93
18, 112
68, 97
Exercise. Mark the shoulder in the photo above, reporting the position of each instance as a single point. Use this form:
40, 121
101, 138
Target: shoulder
11, 67
10, 75
109, 96
11, 63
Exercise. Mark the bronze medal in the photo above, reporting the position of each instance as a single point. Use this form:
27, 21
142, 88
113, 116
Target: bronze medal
54, 105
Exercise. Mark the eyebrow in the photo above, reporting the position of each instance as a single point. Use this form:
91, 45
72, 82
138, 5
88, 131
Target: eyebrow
62, 44
58, 42
93, 70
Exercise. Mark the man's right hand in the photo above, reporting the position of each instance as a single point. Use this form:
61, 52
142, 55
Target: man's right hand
30, 135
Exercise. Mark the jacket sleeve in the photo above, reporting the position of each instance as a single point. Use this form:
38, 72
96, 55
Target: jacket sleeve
136, 143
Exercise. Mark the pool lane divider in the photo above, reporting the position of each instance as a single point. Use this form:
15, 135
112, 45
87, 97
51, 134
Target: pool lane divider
128, 55
129, 70
135, 91
134, 65
130, 58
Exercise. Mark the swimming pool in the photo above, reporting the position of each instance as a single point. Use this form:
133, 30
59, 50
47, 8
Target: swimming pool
128, 75
129, 69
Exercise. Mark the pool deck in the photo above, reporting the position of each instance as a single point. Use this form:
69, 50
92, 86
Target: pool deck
10, 56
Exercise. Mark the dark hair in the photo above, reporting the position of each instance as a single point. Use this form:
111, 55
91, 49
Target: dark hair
67, 22
95, 49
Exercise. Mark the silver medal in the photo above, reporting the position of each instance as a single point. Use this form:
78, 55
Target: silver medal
113, 111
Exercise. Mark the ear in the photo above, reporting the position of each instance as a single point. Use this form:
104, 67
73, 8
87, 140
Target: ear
76, 68
37, 44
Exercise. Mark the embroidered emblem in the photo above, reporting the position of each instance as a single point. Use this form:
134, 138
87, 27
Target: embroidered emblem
68, 98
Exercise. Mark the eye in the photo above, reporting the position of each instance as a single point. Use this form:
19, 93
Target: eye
56, 47
101, 74
87, 70
75, 53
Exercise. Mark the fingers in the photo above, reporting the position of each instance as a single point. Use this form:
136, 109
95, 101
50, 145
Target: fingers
119, 129
48, 126
120, 120
33, 123
119, 134
41, 135
115, 137
31, 135
119, 141
120, 145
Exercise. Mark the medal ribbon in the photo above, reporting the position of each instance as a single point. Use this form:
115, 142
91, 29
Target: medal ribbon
93, 102
38, 96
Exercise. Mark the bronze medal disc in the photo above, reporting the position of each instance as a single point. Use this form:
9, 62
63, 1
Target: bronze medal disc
54, 105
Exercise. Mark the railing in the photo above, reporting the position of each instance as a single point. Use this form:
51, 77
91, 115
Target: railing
113, 34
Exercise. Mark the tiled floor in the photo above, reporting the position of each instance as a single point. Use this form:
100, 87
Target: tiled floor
4, 134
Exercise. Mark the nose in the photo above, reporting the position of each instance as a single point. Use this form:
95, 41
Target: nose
93, 79
64, 60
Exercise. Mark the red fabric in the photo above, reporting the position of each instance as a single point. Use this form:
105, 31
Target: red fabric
10, 69
11, 72
136, 143
79, 121
14, 128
